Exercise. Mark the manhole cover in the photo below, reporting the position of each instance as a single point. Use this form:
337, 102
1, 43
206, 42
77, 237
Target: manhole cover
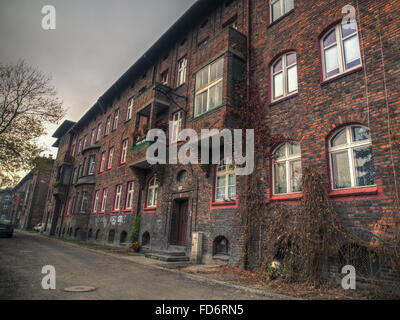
80, 289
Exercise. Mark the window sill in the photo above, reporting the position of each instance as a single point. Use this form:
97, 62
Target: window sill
122, 165
150, 209
272, 103
224, 204
341, 75
280, 18
207, 113
354, 192
115, 212
287, 197
127, 211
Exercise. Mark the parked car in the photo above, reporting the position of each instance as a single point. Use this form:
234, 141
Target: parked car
6, 228
38, 227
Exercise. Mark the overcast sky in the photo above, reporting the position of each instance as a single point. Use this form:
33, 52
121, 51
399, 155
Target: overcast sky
94, 43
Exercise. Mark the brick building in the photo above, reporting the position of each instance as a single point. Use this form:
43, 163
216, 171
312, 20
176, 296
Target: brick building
330, 90
5, 203
29, 196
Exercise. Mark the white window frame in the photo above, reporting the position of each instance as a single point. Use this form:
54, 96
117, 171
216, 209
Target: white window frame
110, 158
98, 132
284, 71
84, 200
108, 125
80, 146
93, 136
117, 197
103, 200
288, 159
91, 165
177, 119
96, 201
164, 77
228, 170
209, 86
129, 110
102, 161
152, 186
340, 50
84, 142
182, 65
283, 9
124, 151
349, 146
116, 119
130, 188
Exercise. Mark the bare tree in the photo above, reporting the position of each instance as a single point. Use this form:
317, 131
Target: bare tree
27, 103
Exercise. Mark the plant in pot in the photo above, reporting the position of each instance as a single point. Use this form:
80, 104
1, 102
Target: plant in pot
135, 247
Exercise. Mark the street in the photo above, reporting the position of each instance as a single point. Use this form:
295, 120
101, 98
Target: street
23, 256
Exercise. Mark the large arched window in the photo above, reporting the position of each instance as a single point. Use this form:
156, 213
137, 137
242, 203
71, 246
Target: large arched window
152, 193
351, 160
340, 50
287, 168
284, 76
225, 182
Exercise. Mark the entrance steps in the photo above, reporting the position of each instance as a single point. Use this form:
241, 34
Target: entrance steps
167, 255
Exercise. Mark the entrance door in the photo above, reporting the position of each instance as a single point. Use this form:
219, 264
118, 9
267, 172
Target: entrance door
179, 221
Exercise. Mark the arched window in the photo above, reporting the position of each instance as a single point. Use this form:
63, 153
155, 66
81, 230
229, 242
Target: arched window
111, 235
279, 8
287, 168
340, 50
225, 182
145, 238
284, 76
221, 246
97, 234
122, 237
152, 193
351, 160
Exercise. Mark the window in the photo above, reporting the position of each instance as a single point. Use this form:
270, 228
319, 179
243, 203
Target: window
102, 162
93, 137
84, 143
340, 50
225, 184
98, 132
182, 71
75, 175
73, 149
129, 195
280, 8
284, 76
209, 85
152, 193
182, 176
176, 126
91, 165
84, 201
287, 169
116, 117
351, 160
164, 78
110, 158
124, 149
129, 111
80, 146
96, 201
104, 200
117, 197
108, 125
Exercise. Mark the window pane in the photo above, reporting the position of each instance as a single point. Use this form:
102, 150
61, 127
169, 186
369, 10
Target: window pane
278, 66
339, 139
294, 148
150, 198
280, 152
295, 178
232, 186
289, 5
220, 190
361, 133
348, 29
331, 61
276, 10
278, 85
341, 170
291, 59
280, 178
365, 172
352, 52
330, 38
292, 79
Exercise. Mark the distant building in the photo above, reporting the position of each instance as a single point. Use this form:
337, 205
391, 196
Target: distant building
29, 196
5, 203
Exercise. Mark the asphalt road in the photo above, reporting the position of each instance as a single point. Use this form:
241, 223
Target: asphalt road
23, 256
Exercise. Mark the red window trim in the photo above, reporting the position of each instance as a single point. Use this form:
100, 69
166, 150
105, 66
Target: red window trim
108, 159
113, 127
101, 212
101, 161
127, 109
120, 155
221, 204
97, 138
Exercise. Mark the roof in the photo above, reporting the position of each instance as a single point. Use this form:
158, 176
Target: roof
193, 15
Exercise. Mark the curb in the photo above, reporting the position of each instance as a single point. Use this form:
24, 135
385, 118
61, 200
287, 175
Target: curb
185, 274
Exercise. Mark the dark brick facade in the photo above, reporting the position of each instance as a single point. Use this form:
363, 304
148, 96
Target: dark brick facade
368, 95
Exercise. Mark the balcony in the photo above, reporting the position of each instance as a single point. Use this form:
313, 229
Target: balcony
91, 147
88, 180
